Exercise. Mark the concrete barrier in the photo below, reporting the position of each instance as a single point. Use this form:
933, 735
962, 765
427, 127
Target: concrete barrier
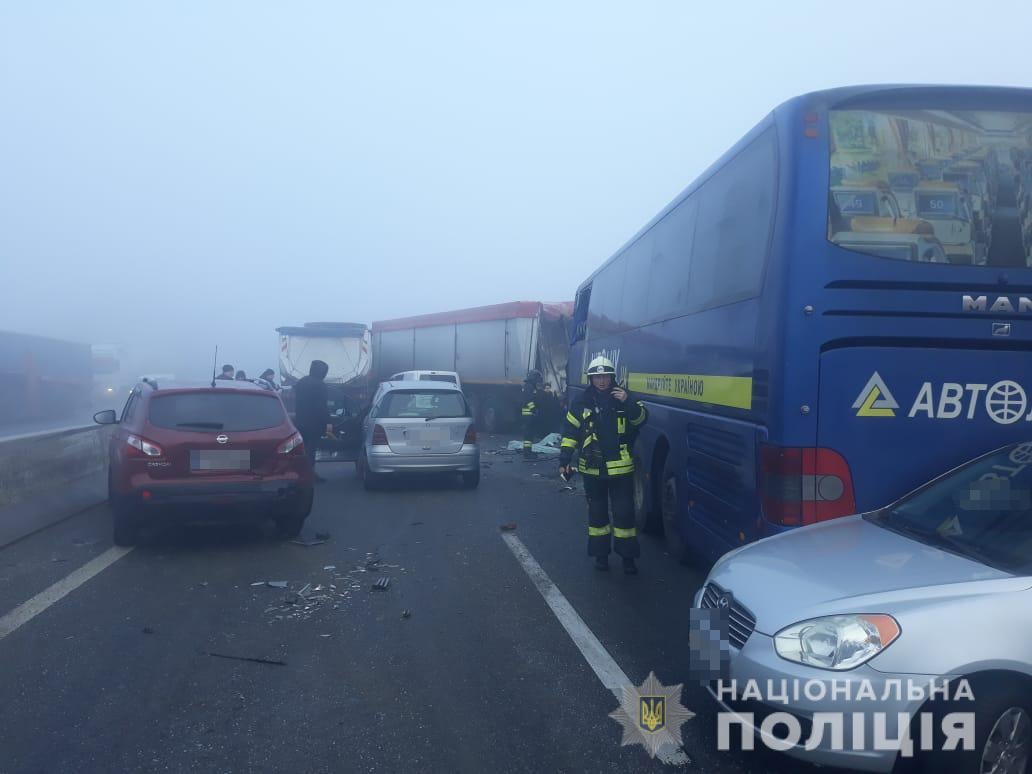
47, 477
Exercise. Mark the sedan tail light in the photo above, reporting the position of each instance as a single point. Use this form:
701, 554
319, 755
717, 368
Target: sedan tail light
379, 436
294, 445
804, 485
471, 434
140, 447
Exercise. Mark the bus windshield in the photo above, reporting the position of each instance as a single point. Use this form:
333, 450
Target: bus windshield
962, 178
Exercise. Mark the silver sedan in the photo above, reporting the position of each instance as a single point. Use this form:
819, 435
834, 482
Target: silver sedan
419, 427
871, 615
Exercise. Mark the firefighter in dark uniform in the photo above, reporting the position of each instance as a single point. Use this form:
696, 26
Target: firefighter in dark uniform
602, 425
529, 411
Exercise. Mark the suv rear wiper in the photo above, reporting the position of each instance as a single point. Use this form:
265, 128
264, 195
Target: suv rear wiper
205, 425
441, 416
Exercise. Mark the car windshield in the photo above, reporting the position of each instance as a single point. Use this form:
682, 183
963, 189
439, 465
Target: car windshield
227, 411
982, 511
423, 404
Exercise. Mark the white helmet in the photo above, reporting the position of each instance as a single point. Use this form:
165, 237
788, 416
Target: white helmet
601, 365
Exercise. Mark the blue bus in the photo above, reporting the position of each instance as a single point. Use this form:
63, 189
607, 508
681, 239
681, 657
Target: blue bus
836, 311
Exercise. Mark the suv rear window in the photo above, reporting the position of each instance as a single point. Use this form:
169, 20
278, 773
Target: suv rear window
422, 404
437, 378
216, 411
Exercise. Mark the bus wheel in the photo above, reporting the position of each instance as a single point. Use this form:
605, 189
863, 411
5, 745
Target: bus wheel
645, 517
674, 542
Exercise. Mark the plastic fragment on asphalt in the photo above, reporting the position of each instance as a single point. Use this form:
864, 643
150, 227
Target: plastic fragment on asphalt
148, 630
276, 584
508, 527
382, 584
259, 583
330, 567
292, 598
406, 614
309, 543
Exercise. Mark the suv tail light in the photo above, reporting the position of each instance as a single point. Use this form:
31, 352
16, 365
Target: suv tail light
139, 447
800, 486
293, 445
471, 434
379, 436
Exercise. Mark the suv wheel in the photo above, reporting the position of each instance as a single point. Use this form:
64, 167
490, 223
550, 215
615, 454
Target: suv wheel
124, 524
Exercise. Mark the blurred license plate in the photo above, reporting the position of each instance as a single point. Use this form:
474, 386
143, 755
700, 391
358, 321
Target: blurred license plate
434, 434
220, 459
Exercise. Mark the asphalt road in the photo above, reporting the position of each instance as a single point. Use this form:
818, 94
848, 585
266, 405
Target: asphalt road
459, 665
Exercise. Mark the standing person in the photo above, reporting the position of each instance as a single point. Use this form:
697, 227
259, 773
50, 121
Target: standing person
311, 415
531, 388
269, 376
603, 423
227, 372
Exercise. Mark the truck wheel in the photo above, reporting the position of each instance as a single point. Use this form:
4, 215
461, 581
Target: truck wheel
491, 419
674, 542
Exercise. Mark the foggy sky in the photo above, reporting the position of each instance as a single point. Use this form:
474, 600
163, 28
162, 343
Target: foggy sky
176, 175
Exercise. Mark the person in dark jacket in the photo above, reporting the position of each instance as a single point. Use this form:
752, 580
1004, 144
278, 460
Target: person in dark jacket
601, 425
311, 414
227, 372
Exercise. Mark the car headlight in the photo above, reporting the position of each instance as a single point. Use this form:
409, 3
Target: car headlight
837, 641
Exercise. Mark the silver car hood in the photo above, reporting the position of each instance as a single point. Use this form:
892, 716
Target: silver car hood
847, 566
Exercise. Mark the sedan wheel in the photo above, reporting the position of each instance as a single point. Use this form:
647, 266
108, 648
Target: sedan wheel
1006, 750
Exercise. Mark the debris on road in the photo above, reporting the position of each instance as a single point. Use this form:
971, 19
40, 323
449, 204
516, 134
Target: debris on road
550, 444
309, 543
273, 662
84, 542
276, 584
416, 524
322, 535
330, 567
382, 584
509, 527
259, 583
567, 489
406, 614
292, 598
148, 630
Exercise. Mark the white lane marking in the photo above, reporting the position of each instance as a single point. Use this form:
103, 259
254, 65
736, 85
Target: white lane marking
598, 658
26, 611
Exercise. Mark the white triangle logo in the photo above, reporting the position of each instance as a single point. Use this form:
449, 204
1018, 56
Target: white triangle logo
875, 399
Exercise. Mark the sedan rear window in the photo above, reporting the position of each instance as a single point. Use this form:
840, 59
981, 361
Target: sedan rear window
422, 404
216, 411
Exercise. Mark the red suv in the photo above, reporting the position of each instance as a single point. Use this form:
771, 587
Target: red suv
223, 445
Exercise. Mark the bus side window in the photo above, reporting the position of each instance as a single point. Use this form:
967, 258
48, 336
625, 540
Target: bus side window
670, 262
736, 208
580, 315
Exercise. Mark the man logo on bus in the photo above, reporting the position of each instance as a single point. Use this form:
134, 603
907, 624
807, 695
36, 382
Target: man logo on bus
875, 399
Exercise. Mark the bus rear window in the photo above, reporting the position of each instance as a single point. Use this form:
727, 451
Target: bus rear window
959, 179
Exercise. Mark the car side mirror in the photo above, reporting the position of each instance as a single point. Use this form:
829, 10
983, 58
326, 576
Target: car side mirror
108, 417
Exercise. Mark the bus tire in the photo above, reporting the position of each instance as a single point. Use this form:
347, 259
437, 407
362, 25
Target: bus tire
674, 542
646, 518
